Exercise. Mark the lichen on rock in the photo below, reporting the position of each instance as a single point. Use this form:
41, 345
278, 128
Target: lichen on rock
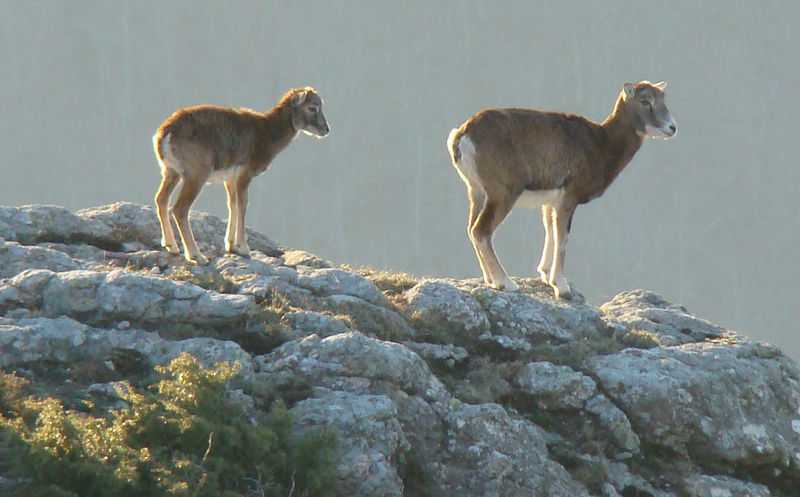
432, 386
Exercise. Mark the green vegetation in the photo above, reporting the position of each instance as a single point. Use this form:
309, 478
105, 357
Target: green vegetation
180, 437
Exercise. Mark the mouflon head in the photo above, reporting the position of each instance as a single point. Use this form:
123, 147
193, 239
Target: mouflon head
307, 115
645, 103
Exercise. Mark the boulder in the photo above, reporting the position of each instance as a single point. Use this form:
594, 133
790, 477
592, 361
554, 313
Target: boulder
556, 387
641, 310
99, 297
491, 454
723, 486
294, 258
523, 320
332, 281
442, 309
121, 226
731, 403
15, 258
308, 323
371, 439
126, 223
352, 361
65, 340
560, 388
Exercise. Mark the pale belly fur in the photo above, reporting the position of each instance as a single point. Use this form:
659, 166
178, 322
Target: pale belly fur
535, 199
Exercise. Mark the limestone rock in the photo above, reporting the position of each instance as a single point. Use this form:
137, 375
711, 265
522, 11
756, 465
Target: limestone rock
294, 258
560, 388
31, 224
448, 355
124, 222
642, 310
115, 227
371, 439
556, 387
331, 281
66, 340
734, 403
536, 319
315, 323
337, 361
443, 309
99, 297
445, 387
723, 486
15, 258
492, 454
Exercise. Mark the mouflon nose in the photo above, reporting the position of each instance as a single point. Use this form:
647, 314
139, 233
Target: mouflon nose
673, 128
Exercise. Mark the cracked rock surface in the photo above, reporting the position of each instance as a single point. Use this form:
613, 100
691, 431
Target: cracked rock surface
434, 387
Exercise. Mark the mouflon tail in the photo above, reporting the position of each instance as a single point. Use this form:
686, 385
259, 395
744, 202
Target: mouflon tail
452, 144
158, 139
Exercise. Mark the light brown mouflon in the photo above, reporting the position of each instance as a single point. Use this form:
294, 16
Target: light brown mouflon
551, 160
208, 143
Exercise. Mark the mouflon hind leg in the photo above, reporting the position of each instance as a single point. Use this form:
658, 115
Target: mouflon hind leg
169, 180
481, 232
191, 188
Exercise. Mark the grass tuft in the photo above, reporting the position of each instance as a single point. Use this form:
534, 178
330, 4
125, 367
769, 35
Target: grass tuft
388, 282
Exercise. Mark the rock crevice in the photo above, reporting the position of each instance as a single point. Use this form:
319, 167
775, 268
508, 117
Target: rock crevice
434, 387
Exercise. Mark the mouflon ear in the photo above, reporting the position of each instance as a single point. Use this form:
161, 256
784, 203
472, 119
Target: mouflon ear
299, 98
629, 89
660, 85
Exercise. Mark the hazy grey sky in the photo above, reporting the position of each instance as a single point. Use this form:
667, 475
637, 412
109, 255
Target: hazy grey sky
710, 219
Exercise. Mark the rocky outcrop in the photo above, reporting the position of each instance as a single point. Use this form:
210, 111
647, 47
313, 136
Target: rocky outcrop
28, 340
434, 387
102, 297
711, 401
644, 311
120, 227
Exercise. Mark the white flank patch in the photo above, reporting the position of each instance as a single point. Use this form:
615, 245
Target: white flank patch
537, 198
466, 164
166, 151
796, 425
